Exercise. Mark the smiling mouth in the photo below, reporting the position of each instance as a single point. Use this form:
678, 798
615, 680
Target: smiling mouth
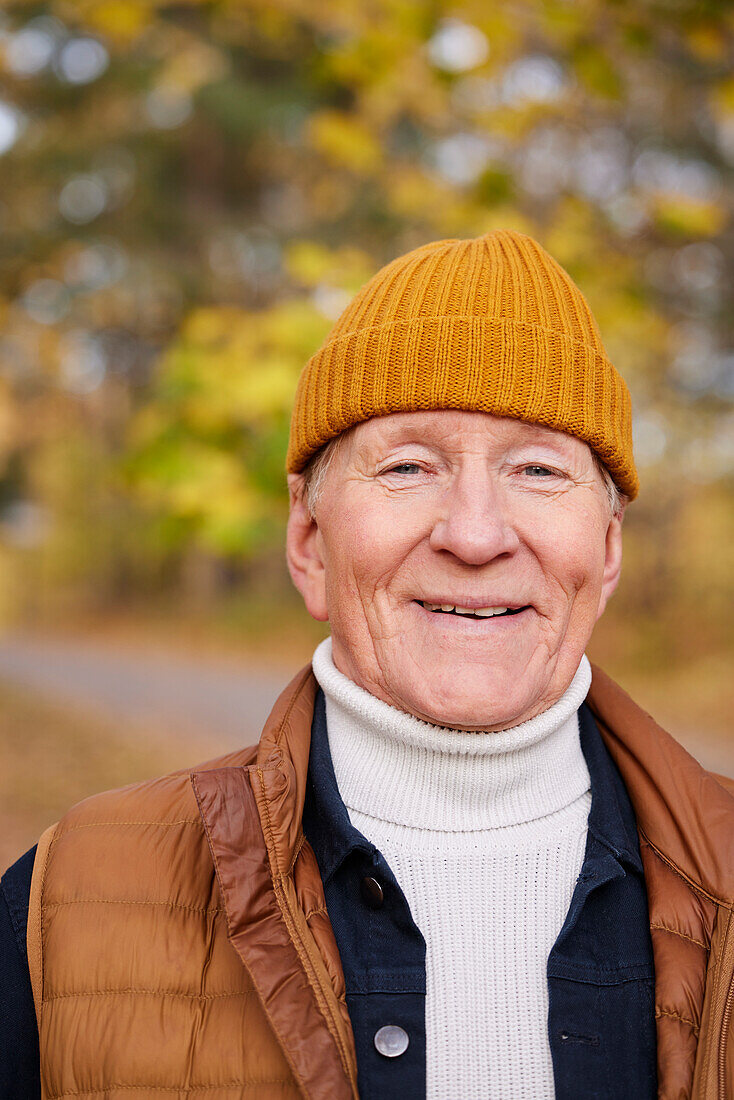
471, 612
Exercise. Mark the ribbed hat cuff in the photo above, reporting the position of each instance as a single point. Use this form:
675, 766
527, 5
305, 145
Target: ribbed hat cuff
509, 368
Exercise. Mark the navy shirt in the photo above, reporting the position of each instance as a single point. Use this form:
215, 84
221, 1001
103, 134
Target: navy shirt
19, 1068
601, 1019
600, 971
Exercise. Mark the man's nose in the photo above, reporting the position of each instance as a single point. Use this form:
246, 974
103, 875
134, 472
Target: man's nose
474, 524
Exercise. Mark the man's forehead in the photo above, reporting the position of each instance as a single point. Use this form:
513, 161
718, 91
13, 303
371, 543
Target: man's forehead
455, 426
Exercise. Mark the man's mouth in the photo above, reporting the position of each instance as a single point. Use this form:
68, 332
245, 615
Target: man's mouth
470, 612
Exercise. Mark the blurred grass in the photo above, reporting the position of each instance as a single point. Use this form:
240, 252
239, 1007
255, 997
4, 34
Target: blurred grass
696, 700
52, 756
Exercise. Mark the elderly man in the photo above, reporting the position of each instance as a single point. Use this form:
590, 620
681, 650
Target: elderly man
460, 863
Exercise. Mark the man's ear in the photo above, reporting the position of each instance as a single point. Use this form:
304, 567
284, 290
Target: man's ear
612, 560
304, 551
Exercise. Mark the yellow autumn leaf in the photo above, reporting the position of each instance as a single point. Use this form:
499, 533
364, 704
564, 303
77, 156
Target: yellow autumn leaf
312, 263
122, 20
722, 97
345, 141
707, 42
689, 217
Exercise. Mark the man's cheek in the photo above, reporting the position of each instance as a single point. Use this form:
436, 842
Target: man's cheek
572, 558
368, 538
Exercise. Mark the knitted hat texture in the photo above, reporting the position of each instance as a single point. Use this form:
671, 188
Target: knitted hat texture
491, 324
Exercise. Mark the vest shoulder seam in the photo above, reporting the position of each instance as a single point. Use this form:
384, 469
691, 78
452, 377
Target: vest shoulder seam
696, 887
247, 1083
150, 992
130, 901
160, 824
683, 935
677, 1016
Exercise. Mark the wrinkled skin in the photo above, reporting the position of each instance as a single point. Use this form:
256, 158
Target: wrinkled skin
463, 508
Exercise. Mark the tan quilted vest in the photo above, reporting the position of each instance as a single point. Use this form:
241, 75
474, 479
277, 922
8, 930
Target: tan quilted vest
179, 943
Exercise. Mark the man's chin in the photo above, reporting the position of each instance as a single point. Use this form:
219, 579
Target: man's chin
473, 707
473, 723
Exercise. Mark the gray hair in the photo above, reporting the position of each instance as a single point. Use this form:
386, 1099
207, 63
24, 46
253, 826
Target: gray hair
314, 476
617, 499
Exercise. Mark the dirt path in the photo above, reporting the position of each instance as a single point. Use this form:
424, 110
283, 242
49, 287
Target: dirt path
222, 705
207, 701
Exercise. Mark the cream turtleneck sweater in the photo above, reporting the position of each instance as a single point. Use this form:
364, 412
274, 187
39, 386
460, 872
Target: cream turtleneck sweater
485, 833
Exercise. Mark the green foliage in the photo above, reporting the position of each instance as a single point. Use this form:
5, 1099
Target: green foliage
191, 192
207, 447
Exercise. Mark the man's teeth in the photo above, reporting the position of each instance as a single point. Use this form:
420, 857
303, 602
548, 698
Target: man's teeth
480, 612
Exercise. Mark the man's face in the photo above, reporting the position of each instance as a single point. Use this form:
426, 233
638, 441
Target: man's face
458, 510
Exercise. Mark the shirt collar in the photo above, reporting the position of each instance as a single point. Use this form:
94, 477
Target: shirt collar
611, 817
325, 818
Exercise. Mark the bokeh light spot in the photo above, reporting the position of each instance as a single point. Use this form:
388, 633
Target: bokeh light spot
456, 46
83, 199
82, 60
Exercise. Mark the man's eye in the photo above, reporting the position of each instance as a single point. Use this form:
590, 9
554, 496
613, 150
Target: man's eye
404, 468
540, 471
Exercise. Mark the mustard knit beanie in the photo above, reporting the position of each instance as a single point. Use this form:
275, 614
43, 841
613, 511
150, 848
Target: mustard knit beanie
491, 324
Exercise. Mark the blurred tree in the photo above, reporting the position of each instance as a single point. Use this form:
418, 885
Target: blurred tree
191, 191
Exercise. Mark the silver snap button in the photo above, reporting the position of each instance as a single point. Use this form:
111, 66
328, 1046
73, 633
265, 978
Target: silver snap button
391, 1041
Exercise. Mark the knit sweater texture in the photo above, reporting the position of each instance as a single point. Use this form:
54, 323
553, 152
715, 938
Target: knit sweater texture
485, 833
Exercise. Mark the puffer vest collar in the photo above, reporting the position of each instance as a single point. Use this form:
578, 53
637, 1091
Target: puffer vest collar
239, 807
682, 811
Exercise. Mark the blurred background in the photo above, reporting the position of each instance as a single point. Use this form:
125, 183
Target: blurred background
189, 195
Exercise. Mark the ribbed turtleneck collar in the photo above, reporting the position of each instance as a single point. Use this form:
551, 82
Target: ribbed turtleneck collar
397, 768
